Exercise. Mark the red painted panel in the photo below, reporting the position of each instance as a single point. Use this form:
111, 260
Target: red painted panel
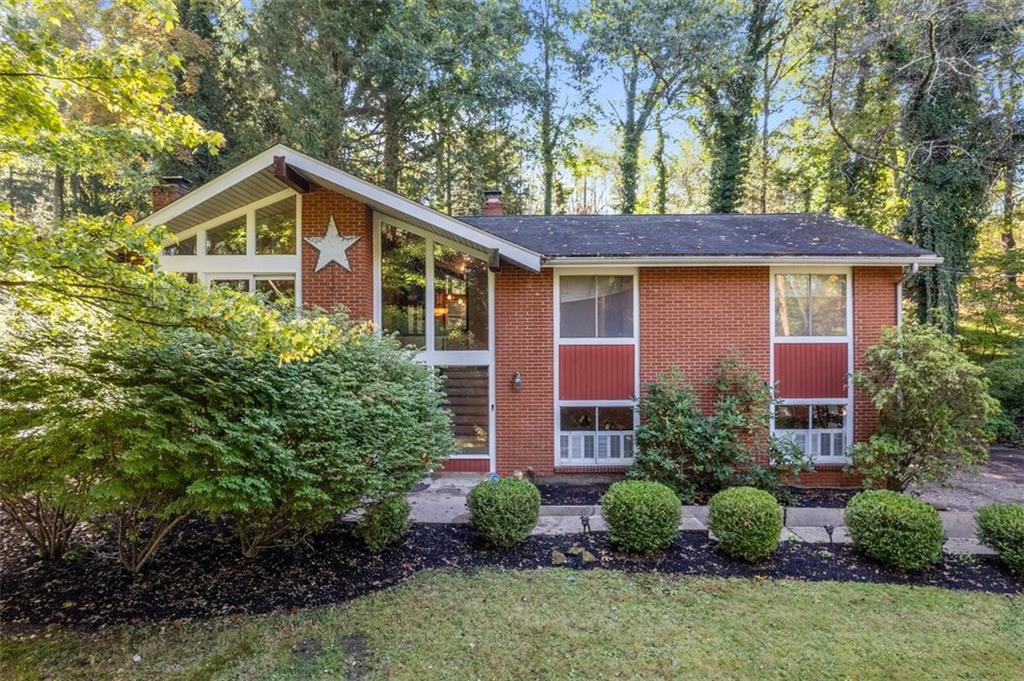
595, 372
466, 466
811, 369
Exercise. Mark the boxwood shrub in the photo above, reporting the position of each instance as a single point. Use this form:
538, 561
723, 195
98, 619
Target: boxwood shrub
384, 522
1001, 528
504, 511
895, 529
642, 516
746, 521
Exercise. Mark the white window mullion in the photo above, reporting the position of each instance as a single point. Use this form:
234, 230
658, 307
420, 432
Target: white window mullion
428, 321
250, 232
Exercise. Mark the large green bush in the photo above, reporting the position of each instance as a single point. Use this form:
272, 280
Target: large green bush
384, 522
746, 521
504, 511
1006, 384
642, 516
933, 408
895, 529
1001, 528
194, 424
680, 446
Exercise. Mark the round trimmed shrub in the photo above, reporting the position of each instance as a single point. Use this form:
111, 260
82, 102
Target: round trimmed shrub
642, 516
894, 529
746, 521
505, 511
384, 522
1001, 528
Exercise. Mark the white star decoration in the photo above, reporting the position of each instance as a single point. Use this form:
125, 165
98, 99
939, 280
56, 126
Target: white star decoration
332, 247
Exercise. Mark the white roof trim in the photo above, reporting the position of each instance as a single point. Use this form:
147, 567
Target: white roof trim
400, 206
740, 260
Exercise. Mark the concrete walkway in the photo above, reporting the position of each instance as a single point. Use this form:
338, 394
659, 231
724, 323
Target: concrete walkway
443, 501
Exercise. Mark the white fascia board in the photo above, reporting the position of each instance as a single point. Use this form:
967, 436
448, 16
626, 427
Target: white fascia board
739, 260
338, 179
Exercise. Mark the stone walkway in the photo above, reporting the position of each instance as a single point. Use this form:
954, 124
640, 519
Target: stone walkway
444, 501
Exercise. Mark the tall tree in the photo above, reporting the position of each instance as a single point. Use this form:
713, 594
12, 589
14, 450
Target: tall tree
654, 46
726, 90
563, 93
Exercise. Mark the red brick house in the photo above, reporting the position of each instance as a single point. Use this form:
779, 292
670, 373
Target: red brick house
545, 328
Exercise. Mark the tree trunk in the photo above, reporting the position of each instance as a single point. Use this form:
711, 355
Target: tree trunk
58, 193
392, 144
1006, 238
629, 165
766, 97
135, 547
662, 169
48, 527
547, 132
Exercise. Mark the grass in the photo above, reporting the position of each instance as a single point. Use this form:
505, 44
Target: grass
564, 624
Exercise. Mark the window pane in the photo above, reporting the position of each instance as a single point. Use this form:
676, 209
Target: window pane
615, 418
827, 415
792, 312
403, 285
277, 289
190, 277
460, 300
577, 418
237, 284
615, 307
828, 305
577, 314
275, 228
791, 417
469, 402
227, 239
183, 247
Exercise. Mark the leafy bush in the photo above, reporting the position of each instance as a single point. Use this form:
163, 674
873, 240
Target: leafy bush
1006, 384
681, 447
505, 511
384, 522
642, 516
1001, 528
895, 529
746, 521
933, 407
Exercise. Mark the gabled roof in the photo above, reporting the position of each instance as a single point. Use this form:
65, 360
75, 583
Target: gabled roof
696, 238
255, 178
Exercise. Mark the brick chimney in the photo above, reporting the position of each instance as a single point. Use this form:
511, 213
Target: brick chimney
170, 189
492, 202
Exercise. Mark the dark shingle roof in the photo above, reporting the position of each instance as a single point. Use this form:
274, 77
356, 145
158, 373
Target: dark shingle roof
791, 234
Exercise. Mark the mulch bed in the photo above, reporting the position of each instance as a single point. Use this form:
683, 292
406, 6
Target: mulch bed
201, 573
566, 494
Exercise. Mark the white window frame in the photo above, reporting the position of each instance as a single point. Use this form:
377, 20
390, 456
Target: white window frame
846, 401
559, 341
207, 267
809, 431
430, 356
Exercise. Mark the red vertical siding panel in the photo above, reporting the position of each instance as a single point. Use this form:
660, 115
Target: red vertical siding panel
811, 369
596, 372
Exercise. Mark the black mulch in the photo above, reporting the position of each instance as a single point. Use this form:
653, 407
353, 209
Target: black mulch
200, 573
568, 494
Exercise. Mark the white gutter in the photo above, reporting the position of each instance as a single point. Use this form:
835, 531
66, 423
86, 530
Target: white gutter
739, 260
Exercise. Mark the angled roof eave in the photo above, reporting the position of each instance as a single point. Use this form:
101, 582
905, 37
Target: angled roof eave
378, 197
926, 260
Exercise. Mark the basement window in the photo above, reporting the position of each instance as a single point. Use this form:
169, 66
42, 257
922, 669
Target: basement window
819, 430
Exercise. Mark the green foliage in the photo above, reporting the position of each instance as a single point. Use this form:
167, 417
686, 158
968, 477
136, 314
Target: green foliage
384, 522
746, 521
504, 511
1001, 528
932, 404
895, 529
642, 516
681, 447
1006, 383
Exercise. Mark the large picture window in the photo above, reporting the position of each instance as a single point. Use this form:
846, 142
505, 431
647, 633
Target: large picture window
227, 238
275, 228
810, 305
599, 306
460, 300
404, 285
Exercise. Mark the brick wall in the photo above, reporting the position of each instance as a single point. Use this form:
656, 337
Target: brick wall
874, 307
334, 286
691, 317
523, 330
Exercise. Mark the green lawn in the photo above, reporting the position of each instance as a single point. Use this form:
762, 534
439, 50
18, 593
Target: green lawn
563, 624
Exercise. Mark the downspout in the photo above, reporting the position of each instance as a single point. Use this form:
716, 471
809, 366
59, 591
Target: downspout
899, 292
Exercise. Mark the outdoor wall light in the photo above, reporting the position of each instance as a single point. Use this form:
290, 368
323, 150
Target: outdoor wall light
517, 381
